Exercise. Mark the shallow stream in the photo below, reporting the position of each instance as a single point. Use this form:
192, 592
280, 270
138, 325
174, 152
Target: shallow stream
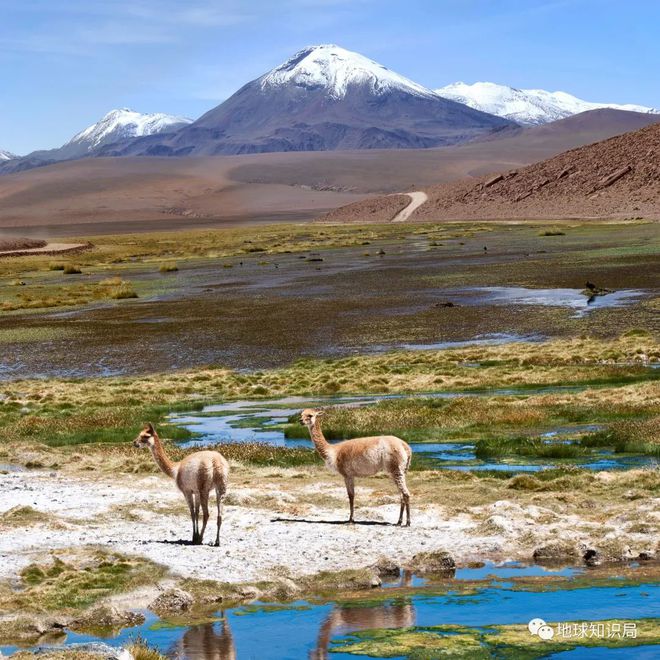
473, 597
261, 421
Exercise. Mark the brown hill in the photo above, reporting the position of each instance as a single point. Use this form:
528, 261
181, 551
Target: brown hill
614, 178
109, 195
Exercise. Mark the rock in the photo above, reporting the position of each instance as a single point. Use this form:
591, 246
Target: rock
592, 557
387, 568
248, 592
434, 561
446, 303
107, 616
493, 180
612, 178
646, 556
30, 630
557, 551
614, 550
172, 601
284, 589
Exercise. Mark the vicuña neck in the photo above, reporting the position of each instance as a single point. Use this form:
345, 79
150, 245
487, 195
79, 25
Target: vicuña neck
163, 460
323, 447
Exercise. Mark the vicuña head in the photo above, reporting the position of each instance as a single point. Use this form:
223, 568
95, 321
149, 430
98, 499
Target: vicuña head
146, 437
309, 416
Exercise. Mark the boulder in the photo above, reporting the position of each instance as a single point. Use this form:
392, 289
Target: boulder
556, 552
107, 616
435, 561
172, 601
386, 568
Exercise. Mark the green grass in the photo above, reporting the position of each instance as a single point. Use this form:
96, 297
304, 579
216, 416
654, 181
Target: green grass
628, 437
525, 446
79, 582
508, 642
71, 269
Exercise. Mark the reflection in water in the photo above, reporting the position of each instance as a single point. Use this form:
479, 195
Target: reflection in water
209, 641
343, 620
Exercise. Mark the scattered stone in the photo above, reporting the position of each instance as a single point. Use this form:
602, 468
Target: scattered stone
592, 557
386, 568
107, 616
446, 303
612, 178
493, 180
248, 592
172, 601
557, 551
435, 561
284, 589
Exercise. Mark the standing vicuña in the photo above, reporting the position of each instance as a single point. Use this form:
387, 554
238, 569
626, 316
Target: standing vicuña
195, 476
363, 457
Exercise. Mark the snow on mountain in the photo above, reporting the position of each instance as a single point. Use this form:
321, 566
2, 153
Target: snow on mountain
526, 106
7, 155
322, 98
121, 124
334, 69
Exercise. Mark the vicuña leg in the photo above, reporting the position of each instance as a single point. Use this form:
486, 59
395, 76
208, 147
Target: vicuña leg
197, 540
219, 493
190, 498
350, 489
400, 481
205, 513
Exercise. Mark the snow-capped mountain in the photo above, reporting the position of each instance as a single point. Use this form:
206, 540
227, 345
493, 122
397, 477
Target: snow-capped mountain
324, 97
116, 126
124, 123
7, 155
334, 70
526, 106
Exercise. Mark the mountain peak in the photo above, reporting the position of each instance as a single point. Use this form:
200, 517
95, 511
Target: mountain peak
526, 106
7, 155
122, 123
335, 69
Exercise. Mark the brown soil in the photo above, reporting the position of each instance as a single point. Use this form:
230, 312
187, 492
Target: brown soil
615, 178
11, 244
45, 249
111, 195
380, 209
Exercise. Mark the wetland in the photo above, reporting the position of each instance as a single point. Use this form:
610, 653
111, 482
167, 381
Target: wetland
532, 413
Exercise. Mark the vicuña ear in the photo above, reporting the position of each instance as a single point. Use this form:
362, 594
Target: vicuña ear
320, 413
149, 427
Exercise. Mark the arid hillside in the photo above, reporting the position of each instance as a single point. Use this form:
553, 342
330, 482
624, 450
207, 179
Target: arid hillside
111, 195
615, 178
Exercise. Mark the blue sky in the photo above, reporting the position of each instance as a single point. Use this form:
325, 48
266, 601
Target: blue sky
65, 63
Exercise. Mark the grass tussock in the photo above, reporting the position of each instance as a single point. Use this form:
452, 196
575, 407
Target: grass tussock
85, 578
168, 267
72, 269
525, 446
629, 437
140, 649
23, 516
